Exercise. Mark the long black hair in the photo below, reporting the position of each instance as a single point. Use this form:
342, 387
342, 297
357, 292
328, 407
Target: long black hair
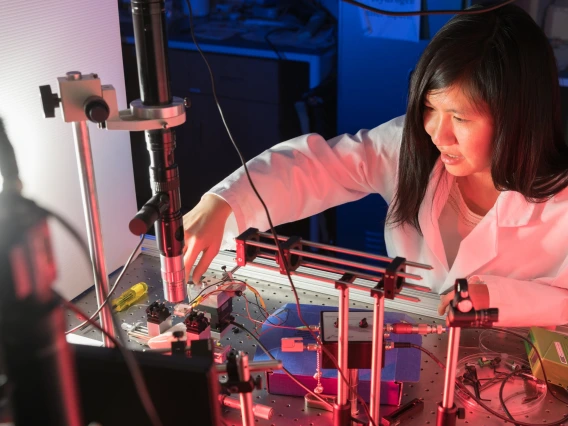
504, 59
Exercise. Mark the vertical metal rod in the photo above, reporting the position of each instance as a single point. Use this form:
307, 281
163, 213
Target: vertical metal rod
377, 356
92, 217
342, 344
353, 385
450, 377
245, 397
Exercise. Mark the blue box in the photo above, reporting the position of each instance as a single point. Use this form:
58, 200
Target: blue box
401, 365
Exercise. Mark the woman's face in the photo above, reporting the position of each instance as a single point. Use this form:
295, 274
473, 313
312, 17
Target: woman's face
461, 131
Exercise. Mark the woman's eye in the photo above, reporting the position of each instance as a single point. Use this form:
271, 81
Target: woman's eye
460, 120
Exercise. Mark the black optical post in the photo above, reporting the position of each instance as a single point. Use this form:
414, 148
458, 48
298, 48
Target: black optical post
151, 55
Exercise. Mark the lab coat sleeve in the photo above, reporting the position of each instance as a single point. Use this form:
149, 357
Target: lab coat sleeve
538, 302
307, 175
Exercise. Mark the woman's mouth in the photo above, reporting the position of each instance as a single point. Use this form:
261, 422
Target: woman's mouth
451, 159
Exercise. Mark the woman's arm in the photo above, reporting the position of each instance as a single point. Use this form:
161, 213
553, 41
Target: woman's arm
308, 174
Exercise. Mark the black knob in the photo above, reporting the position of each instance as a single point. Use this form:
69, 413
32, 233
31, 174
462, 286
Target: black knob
96, 109
178, 334
49, 101
363, 323
149, 213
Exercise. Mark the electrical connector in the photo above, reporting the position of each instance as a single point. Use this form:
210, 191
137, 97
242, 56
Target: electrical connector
182, 309
292, 344
405, 328
296, 344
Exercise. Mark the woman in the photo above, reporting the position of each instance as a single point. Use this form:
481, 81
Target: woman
475, 173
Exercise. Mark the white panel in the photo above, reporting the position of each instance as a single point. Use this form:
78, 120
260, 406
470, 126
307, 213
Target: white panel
40, 41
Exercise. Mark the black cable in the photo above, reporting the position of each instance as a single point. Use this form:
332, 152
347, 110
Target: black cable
548, 385
272, 45
205, 289
129, 359
261, 345
502, 400
126, 265
400, 345
429, 12
69, 305
262, 310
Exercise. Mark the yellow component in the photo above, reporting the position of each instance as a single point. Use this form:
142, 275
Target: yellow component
130, 296
255, 291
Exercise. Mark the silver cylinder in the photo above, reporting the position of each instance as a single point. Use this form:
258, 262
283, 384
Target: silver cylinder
342, 344
353, 385
173, 278
92, 217
259, 410
450, 377
377, 356
245, 397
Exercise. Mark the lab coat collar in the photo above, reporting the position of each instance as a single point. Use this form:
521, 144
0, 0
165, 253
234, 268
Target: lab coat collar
434, 200
513, 210
481, 245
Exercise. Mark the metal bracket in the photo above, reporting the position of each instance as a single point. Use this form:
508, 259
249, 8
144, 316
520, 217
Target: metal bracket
141, 117
312, 402
75, 89
247, 253
392, 282
292, 260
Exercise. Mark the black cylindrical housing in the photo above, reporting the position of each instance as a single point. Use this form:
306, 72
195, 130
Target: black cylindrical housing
35, 355
149, 21
164, 178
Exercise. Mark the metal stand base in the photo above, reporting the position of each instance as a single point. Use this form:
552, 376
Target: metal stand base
448, 416
341, 415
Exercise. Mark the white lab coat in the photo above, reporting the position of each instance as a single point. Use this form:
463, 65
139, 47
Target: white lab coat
519, 249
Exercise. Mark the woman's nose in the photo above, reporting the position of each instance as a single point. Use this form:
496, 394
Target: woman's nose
441, 132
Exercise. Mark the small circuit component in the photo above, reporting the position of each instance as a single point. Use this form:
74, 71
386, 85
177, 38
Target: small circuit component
182, 309
159, 318
220, 353
197, 326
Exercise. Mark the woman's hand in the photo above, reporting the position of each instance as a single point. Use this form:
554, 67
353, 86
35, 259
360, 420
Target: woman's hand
478, 293
203, 232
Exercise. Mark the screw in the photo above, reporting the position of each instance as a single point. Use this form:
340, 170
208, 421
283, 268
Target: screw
164, 125
73, 75
186, 102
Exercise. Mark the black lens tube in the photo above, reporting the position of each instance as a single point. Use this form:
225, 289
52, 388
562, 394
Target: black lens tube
148, 17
